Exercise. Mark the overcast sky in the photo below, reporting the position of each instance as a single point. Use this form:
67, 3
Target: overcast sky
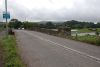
41, 10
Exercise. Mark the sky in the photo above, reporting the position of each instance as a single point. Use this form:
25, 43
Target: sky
52, 10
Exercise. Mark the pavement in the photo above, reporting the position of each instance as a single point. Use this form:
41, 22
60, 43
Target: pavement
42, 50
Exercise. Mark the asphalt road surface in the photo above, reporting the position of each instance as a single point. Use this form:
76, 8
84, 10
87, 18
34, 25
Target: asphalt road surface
42, 50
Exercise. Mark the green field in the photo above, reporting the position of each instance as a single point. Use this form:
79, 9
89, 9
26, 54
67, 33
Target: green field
12, 59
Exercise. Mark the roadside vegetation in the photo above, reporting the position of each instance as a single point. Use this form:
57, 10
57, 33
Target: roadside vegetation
1, 55
88, 39
12, 59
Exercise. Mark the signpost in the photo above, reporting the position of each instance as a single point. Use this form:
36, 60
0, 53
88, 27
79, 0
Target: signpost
6, 15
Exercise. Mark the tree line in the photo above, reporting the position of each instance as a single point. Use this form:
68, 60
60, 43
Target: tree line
15, 23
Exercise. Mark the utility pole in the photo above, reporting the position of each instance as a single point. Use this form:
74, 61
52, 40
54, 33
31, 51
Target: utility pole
6, 18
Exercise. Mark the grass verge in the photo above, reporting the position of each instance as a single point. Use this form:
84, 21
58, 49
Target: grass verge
88, 39
12, 59
1, 56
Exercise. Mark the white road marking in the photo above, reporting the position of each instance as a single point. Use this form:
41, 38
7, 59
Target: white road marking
57, 44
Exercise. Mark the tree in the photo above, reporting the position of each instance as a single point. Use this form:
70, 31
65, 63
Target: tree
79, 24
27, 25
15, 23
42, 25
49, 25
30, 25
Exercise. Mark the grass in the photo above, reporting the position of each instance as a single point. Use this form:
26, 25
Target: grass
88, 39
98, 29
1, 56
0, 29
84, 30
12, 59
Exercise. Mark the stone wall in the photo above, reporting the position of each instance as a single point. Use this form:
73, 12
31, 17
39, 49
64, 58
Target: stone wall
61, 31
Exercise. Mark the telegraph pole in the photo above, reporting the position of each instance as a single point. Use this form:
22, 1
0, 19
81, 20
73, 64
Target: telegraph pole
6, 18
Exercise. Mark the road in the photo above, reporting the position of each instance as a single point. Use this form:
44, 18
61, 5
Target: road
42, 50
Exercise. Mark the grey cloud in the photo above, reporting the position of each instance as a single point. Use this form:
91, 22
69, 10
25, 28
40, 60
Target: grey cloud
88, 11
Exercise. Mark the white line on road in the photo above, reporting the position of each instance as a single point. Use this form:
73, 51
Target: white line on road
57, 44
